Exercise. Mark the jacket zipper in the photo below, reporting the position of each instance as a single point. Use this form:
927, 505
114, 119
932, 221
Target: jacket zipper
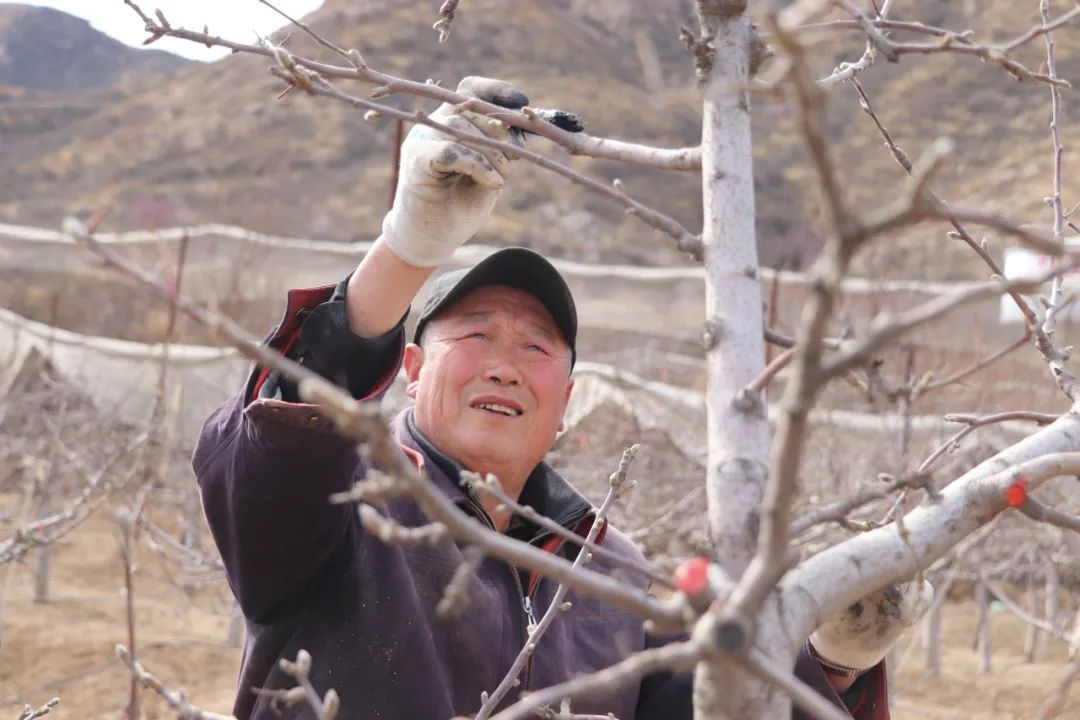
529, 593
526, 596
526, 601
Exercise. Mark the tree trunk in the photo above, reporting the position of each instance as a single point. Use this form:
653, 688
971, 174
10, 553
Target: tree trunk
1031, 637
42, 565
191, 536
1050, 609
932, 640
982, 628
738, 432
234, 632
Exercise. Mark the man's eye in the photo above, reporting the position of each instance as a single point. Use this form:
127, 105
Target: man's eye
535, 347
479, 335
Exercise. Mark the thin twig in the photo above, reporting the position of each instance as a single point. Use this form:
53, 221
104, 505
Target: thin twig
973, 423
325, 708
44, 531
174, 698
29, 713
1053, 703
617, 485
1049, 322
674, 656
445, 23
950, 41
839, 510
494, 489
885, 329
1054, 357
1045, 514
1022, 614
977, 366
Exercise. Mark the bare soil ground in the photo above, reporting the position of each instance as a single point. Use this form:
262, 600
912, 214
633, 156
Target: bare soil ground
65, 647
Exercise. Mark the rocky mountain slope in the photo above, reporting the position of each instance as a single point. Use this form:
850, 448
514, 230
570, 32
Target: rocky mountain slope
214, 144
45, 49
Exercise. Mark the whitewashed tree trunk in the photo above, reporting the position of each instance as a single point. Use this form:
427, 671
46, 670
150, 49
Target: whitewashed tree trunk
738, 433
982, 628
234, 631
932, 639
191, 536
1050, 609
43, 556
1031, 637
42, 566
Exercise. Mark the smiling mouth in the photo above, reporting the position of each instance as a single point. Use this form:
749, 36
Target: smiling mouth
497, 409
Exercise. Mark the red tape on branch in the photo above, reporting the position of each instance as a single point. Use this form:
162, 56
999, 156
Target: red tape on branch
1016, 494
692, 577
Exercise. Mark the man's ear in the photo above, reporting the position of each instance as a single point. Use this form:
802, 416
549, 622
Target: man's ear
414, 360
566, 401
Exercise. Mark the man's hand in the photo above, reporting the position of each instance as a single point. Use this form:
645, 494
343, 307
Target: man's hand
446, 190
863, 634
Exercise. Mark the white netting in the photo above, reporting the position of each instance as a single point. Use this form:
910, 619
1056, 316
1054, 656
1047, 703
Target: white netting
122, 378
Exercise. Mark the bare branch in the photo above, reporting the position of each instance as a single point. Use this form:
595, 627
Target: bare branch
954, 36
933, 528
961, 232
575, 143
389, 531
884, 329
456, 594
325, 707
1054, 357
174, 698
973, 423
1022, 614
684, 241
30, 713
838, 511
875, 41
1049, 321
950, 41
1045, 514
491, 487
977, 366
1057, 698
446, 19
674, 656
44, 531
352, 58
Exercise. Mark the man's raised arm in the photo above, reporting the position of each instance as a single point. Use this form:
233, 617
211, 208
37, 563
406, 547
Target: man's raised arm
267, 463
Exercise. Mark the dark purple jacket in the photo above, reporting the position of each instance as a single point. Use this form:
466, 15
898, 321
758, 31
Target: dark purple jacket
308, 577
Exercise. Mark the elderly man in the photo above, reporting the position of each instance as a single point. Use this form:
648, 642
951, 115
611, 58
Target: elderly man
489, 370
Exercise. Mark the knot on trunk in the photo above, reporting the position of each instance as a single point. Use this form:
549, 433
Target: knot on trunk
759, 50
721, 9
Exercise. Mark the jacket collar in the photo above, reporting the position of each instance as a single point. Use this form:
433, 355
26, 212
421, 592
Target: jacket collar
546, 491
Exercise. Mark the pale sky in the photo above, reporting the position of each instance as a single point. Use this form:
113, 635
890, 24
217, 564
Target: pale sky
233, 19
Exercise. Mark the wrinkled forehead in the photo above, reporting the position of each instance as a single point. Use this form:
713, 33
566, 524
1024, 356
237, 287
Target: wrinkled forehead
502, 301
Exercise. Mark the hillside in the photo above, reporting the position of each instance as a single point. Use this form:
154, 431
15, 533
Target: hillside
45, 49
213, 144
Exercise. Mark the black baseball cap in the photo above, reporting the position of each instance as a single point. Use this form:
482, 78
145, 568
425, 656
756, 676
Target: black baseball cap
516, 267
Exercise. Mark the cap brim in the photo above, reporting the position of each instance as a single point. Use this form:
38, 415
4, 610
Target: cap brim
519, 268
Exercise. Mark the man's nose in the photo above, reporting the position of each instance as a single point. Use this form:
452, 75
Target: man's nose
502, 370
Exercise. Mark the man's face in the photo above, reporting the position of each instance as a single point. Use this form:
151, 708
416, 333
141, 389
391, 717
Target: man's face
491, 381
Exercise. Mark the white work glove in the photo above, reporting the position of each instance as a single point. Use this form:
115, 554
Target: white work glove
863, 634
446, 190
